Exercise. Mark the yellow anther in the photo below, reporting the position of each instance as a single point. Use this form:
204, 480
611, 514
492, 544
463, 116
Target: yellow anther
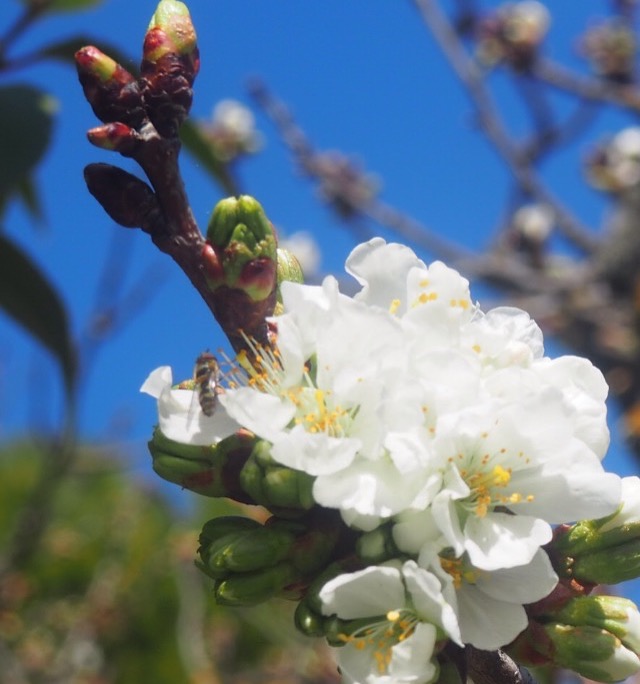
394, 306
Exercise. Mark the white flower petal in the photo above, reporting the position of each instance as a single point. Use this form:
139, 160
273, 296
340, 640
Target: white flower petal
486, 623
367, 593
499, 540
313, 453
261, 413
381, 269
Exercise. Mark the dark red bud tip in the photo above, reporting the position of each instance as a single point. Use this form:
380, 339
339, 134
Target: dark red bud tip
258, 273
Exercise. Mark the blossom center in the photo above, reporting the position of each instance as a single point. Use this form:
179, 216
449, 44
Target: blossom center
459, 571
316, 408
487, 481
316, 413
382, 636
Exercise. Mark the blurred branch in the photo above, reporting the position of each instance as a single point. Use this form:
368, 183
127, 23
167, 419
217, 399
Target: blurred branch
598, 90
489, 120
343, 186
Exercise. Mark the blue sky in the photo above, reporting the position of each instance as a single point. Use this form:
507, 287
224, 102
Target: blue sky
362, 77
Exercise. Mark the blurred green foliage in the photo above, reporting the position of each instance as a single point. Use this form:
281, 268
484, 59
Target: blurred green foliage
112, 594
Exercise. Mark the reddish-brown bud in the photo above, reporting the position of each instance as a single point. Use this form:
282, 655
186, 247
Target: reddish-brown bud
169, 66
117, 137
112, 92
128, 200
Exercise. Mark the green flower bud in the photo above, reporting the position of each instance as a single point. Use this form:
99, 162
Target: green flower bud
595, 535
207, 470
249, 550
289, 268
251, 588
216, 537
307, 621
241, 248
609, 566
616, 615
225, 525
591, 652
274, 486
603, 551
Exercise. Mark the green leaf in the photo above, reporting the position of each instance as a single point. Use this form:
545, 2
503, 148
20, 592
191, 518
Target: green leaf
63, 5
28, 193
65, 51
26, 120
27, 296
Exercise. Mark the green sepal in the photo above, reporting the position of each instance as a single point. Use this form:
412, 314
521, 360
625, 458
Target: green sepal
247, 550
251, 588
587, 536
224, 525
591, 652
273, 485
611, 613
207, 470
609, 566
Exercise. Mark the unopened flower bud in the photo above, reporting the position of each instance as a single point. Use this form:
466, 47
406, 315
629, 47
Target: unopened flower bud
207, 470
170, 64
289, 268
606, 550
112, 92
514, 33
241, 248
617, 615
596, 636
308, 621
128, 200
611, 48
274, 486
175, 32
116, 137
246, 550
591, 652
251, 588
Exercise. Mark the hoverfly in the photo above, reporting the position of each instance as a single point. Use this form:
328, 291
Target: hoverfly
206, 379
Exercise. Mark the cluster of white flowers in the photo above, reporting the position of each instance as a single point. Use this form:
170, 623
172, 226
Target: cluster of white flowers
413, 408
